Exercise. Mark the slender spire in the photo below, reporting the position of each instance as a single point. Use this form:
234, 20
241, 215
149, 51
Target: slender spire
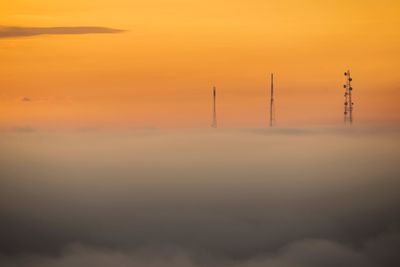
348, 103
271, 105
214, 118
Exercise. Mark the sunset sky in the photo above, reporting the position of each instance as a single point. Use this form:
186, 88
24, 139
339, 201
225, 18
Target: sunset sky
159, 71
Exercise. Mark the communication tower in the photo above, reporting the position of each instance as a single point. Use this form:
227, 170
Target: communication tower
348, 102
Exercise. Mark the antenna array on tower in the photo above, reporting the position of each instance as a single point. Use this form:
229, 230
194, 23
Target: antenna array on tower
348, 103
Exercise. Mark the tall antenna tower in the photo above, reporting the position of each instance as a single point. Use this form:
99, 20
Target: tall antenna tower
271, 104
348, 103
214, 118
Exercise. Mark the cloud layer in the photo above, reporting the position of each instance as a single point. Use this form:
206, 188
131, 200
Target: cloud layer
220, 198
14, 32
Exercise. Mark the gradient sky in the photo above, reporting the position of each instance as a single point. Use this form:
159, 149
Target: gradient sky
159, 73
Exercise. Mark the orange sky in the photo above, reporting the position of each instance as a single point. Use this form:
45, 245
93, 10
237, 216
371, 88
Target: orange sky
160, 72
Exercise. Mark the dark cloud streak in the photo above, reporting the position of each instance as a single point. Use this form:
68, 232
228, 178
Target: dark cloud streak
15, 32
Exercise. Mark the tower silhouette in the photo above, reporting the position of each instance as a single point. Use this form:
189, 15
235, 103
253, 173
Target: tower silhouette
348, 103
271, 104
214, 117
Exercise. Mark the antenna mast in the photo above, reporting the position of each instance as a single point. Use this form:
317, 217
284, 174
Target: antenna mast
214, 118
348, 104
271, 105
